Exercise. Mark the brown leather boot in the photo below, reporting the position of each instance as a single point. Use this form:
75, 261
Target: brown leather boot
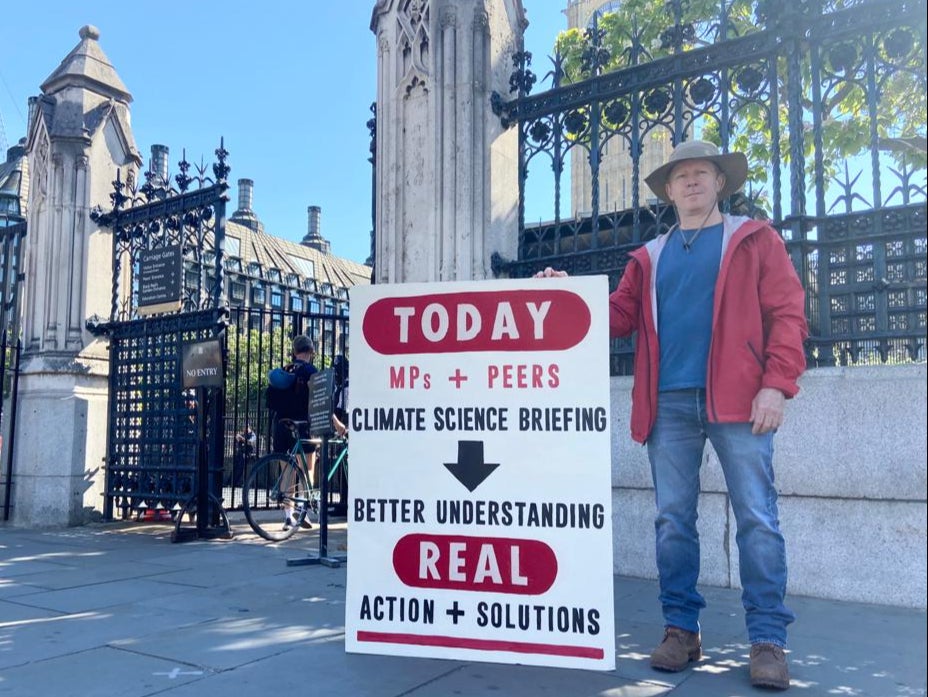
678, 648
768, 667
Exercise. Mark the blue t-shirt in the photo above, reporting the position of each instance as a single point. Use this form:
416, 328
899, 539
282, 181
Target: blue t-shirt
685, 295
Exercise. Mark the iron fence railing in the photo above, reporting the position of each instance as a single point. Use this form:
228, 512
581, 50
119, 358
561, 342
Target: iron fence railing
258, 340
826, 98
12, 237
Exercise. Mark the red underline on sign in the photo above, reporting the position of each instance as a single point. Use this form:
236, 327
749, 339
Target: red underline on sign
481, 644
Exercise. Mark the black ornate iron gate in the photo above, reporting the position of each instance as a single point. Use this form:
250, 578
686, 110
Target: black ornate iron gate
827, 99
162, 440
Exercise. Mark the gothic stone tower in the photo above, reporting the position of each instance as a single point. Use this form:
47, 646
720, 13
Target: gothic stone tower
447, 191
615, 169
79, 136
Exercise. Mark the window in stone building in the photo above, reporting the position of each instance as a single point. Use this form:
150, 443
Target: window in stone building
237, 292
304, 266
257, 295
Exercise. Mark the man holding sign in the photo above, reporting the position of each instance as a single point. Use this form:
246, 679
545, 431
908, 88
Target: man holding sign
718, 312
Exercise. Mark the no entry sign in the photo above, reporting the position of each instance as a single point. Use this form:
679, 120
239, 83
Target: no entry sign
480, 524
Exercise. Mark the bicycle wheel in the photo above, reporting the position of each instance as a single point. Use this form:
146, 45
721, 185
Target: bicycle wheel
274, 486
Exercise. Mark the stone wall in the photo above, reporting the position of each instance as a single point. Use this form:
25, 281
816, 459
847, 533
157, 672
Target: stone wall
850, 465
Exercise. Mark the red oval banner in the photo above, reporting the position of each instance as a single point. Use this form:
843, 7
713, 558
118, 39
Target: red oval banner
517, 320
485, 564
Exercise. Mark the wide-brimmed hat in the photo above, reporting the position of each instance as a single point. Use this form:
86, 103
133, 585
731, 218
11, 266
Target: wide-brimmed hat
734, 166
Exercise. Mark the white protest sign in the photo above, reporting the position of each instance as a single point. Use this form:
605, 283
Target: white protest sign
480, 520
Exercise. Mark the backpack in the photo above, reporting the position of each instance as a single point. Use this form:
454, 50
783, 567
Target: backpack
287, 392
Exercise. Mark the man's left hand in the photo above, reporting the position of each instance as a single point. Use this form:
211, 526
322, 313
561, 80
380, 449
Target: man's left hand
767, 410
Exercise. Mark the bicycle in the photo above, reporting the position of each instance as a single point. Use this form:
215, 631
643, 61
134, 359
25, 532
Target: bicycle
280, 481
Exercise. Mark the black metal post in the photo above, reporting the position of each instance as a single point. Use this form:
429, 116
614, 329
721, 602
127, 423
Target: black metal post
11, 443
203, 394
324, 499
323, 557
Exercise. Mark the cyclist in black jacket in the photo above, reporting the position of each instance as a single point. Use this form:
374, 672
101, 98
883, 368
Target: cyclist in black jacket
288, 398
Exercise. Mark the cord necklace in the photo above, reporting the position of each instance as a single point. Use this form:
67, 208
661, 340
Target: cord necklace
688, 243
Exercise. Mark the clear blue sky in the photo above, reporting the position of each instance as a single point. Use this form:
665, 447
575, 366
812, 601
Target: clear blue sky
288, 84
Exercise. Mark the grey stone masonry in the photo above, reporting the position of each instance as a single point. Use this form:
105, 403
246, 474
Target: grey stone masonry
446, 185
850, 465
78, 139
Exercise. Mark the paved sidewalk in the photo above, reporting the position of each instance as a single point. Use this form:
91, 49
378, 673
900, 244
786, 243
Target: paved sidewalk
117, 610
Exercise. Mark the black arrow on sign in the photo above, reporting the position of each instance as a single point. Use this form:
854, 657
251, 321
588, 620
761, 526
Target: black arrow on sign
470, 469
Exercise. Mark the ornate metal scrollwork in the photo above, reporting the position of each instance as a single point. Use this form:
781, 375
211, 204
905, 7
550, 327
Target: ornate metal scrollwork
522, 78
773, 88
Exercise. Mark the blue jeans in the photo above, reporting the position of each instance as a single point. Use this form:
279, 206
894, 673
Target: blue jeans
675, 449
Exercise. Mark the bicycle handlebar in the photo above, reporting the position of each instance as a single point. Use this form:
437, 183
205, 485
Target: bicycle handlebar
294, 426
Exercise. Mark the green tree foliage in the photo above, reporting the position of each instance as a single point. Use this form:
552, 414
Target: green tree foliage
641, 31
252, 353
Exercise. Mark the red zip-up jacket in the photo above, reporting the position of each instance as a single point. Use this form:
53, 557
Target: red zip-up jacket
758, 324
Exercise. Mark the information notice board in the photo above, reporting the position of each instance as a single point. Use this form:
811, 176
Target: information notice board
159, 277
480, 523
320, 403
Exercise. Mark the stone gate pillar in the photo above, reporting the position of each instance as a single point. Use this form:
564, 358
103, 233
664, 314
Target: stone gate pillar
79, 136
446, 184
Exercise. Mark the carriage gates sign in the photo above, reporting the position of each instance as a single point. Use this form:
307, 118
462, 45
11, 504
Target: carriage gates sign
160, 279
480, 523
